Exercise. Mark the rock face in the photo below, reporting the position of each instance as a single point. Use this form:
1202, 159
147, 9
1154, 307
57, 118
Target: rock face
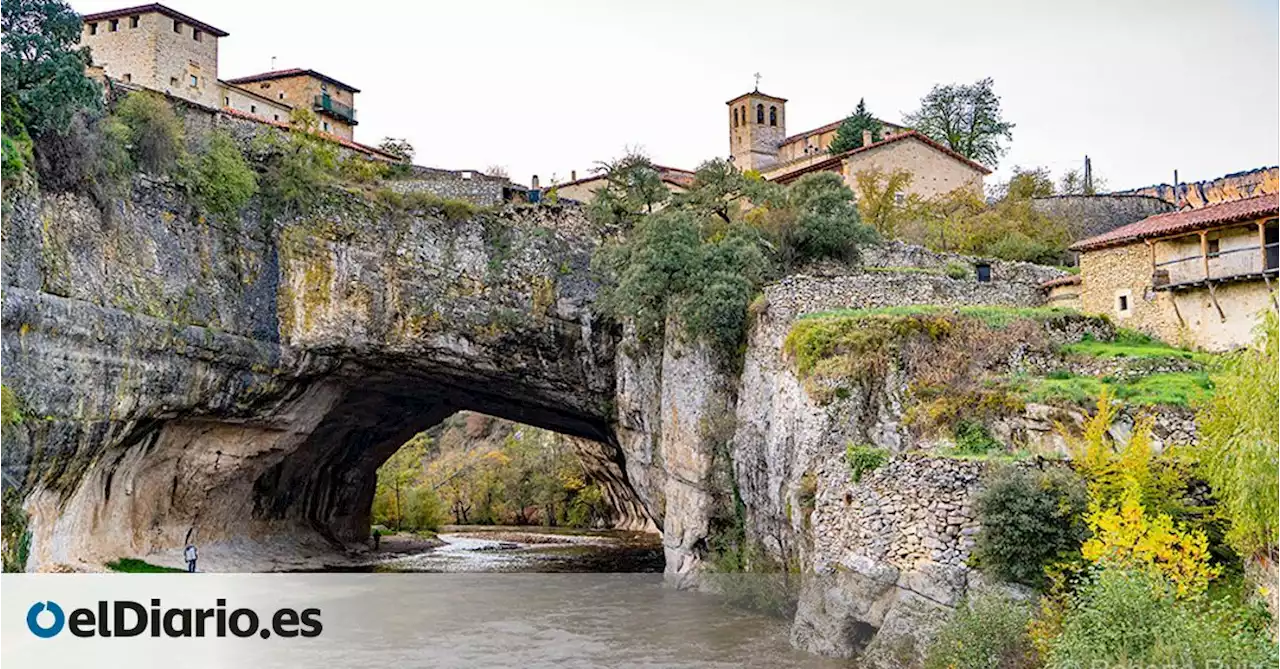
192, 379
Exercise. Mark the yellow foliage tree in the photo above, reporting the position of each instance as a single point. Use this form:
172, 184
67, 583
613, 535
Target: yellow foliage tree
1128, 536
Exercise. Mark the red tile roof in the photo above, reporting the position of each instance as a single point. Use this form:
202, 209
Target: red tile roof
758, 94
350, 144
154, 7
910, 134
1187, 220
291, 72
673, 175
828, 128
1068, 280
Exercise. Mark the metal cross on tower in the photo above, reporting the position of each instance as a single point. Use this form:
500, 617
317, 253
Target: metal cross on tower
757, 76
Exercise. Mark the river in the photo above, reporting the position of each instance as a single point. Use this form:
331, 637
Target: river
521, 597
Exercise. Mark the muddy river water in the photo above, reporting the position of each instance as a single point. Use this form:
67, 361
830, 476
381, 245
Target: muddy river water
521, 598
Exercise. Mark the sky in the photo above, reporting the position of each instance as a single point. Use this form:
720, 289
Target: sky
549, 87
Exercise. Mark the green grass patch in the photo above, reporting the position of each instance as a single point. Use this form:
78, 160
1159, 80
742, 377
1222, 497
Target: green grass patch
1169, 389
992, 316
136, 566
1128, 344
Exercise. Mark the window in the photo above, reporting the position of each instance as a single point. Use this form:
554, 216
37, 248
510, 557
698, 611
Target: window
253, 109
326, 126
1215, 248
173, 81
983, 272
115, 25
324, 87
177, 26
773, 115
93, 29
760, 114
280, 95
275, 116
195, 81
133, 22
226, 101
735, 117
1122, 302
197, 35
128, 77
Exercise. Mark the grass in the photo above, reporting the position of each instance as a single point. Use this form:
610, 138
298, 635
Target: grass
1169, 389
1128, 344
992, 316
136, 566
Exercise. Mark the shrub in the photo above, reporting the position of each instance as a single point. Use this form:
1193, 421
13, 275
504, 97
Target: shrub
1122, 618
154, 132
222, 180
958, 270
295, 168
89, 157
827, 223
1030, 519
989, 632
363, 171
973, 438
862, 459
1238, 443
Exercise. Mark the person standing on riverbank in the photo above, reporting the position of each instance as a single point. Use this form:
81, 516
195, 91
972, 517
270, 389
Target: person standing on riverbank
189, 554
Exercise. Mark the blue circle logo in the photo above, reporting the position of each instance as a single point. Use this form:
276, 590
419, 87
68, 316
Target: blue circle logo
33, 619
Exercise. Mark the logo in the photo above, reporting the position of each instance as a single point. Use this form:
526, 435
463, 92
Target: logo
33, 619
124, 618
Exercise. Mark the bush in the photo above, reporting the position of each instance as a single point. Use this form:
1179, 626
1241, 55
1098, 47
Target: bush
222, 181
958, 270
295, 168
88, 157
1122, 618
155, 136
1030, 519
973, 438
862, 459
989, 632
827, 223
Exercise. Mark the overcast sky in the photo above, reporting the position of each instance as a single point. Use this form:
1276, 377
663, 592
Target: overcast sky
547, 87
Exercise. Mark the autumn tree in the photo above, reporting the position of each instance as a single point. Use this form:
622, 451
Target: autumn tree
966, 118
850, 134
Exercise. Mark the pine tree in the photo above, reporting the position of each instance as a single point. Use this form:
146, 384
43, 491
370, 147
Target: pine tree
849, 136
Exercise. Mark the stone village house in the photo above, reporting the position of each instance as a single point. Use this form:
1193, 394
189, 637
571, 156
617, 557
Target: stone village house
758, 141
161, 49
1199, 277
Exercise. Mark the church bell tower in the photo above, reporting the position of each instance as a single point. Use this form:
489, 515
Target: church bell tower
757, 126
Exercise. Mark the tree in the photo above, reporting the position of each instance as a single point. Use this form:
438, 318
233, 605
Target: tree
1073, 183
633, 188
1025, 184
828, 224
222, 179
849, 136
43, 71
1238, 444
400, 148
878, 200
155, 137
397, 476
965, 118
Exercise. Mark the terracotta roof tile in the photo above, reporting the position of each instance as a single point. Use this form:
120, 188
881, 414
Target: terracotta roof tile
350, 144
291, 72
154, 7
1068, 280
910, 134
1187, 220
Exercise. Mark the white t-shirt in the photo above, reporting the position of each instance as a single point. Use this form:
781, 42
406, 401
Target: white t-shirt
190, 553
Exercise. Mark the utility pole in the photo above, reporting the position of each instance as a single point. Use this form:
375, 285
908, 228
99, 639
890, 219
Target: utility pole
1088, 176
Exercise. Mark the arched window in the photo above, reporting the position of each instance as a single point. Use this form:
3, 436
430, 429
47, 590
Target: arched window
760, 114
744, 115
735, 117
773, 115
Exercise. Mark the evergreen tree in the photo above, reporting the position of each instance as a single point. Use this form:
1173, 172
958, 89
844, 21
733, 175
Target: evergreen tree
44, 82
849, 136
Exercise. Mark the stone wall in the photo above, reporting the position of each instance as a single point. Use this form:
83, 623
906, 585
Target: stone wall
470, 185
156, 56
1089, 215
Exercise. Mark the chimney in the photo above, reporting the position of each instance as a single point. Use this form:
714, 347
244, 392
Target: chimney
866, 137
573, 175
534, 184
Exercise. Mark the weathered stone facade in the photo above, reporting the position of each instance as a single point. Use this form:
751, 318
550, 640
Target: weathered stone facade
469, 185
305, 89
757, 125
933, 173
162, 51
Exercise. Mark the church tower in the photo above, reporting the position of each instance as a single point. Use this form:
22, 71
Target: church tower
757, 126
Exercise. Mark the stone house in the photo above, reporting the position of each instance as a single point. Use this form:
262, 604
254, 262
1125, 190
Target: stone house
1199, 277
156, 47
583, 190
758, 141
332, 100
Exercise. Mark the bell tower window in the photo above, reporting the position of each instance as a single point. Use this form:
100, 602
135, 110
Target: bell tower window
773, 115
760, 114
735, 117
